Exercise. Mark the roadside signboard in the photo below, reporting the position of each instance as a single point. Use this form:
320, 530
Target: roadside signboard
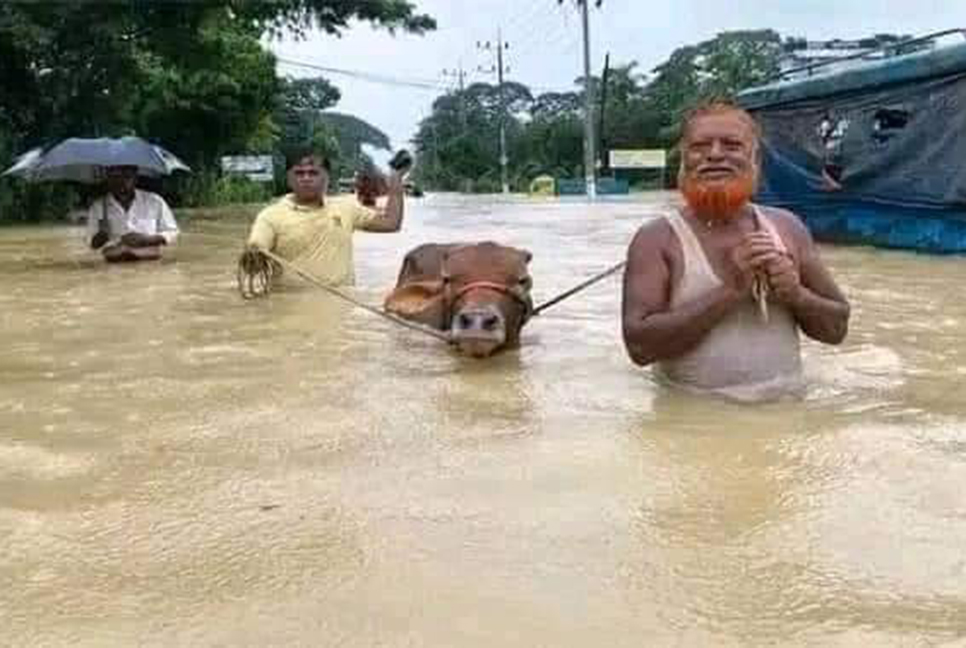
259, 168
638, 158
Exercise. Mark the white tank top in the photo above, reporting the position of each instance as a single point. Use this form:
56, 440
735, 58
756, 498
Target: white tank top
744, 357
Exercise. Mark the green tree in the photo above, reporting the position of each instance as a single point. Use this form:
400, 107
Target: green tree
296, 107
458, 144
302, 119
352, 133
716, 68
192, 75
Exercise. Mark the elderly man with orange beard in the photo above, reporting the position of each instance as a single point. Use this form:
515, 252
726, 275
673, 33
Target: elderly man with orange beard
715, 293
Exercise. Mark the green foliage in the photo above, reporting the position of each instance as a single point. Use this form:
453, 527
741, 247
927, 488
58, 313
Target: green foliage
716, 68
22, 203
458, 142
352, 132
192, 76
338, 136
330, 16
209, 189
296, 106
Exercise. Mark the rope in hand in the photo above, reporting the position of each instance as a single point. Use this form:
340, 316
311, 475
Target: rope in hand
258, 268
760, 287
255, 274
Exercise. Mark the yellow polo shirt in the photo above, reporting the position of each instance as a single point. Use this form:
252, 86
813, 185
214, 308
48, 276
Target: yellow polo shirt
316, 239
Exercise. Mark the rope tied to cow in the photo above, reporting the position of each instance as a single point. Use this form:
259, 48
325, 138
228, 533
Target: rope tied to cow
332, 290
258, 268
578, 288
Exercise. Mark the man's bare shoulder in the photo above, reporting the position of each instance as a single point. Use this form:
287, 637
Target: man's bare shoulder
786, 219
655, 234
790, 226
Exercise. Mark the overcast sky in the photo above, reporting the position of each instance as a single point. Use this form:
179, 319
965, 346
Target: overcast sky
545, 42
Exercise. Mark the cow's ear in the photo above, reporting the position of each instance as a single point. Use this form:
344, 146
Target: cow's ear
413, 297
420, 301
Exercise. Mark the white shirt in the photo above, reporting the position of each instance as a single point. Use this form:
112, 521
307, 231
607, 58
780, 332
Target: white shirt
148, 214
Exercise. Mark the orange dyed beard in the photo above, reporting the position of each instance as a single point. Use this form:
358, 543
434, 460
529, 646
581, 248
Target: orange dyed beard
718, 200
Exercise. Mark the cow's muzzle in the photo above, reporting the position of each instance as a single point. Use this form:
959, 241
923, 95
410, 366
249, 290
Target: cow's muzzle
478, 330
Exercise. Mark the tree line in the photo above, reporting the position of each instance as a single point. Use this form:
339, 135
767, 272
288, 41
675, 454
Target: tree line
193, 76
458, 143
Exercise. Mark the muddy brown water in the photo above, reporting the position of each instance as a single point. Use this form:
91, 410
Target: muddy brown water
181, 467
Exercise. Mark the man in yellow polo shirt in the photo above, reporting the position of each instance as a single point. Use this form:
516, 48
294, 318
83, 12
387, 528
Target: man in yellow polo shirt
314, 231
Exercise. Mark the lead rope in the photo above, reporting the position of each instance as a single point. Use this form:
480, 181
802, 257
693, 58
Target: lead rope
412, 325
579, 287
355, 302
760, 288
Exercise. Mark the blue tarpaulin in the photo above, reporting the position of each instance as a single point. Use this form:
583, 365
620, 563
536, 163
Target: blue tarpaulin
873, 154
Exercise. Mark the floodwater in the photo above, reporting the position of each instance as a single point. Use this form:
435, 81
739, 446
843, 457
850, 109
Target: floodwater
179, 467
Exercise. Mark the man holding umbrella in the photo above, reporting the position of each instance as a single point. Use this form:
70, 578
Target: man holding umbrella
129, 224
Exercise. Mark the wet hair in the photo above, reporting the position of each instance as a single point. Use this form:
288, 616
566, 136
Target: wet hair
719, 107
295, 155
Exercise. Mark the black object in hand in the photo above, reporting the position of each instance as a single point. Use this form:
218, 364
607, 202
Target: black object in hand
100, 240
401, 161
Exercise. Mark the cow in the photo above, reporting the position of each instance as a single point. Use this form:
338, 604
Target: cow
479, 292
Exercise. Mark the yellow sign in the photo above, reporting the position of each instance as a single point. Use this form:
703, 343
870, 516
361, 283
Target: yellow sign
638, 159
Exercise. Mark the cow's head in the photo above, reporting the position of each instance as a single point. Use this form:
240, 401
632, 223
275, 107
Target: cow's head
487, 289
482, 297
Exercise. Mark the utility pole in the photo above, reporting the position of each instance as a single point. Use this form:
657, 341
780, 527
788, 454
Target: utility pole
603, 113
460, 74
590, 157
500, 69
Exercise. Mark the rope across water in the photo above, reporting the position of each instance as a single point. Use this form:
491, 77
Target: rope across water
579, 287
332, 290
259, 284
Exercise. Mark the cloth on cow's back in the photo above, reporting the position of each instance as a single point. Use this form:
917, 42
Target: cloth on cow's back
317, 239
743, 357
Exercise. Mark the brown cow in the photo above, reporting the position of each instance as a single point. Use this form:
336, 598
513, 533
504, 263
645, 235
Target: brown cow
480, 292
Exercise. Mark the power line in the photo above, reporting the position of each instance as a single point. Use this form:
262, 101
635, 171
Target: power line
422, 84
385, 79
526, 20
546, 37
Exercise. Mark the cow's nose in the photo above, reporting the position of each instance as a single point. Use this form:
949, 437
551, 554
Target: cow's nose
490, 322
465, 320
483, 319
